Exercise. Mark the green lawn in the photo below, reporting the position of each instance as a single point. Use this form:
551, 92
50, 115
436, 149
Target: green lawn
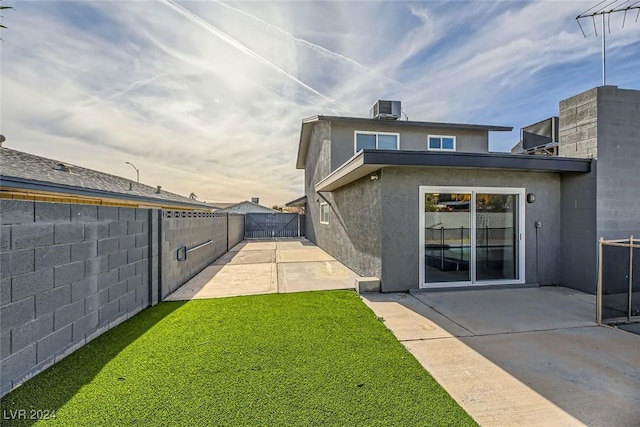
283, 359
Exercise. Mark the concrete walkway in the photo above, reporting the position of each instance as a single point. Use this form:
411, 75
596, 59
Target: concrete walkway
263, 267
520, 356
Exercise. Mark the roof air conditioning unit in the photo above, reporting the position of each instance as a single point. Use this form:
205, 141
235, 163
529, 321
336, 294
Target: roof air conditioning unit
386, 110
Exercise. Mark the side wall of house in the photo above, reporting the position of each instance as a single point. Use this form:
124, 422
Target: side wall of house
71, 272
400, 206
352, 235
578, 232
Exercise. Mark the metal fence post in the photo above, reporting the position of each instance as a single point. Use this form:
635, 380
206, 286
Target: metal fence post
599, 286
630, 278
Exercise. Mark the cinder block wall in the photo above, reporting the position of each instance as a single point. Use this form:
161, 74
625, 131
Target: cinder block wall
602, 123
71, 272
190, 229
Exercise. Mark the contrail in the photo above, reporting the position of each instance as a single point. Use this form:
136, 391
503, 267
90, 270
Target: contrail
95, 100
244, 49
307, 43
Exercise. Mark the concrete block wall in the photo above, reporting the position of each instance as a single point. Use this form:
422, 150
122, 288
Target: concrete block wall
189, 229
69, 273
235, 229
602, 123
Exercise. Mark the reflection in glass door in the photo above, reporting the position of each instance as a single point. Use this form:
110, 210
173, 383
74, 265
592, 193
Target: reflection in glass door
447, 237
496, 225
471, 235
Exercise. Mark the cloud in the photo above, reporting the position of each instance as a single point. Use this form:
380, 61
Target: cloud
207, 96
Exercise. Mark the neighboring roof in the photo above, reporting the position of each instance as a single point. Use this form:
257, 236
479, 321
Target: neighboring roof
237, 206
30, 172
221, 205
307, 125
368, 161
300, 201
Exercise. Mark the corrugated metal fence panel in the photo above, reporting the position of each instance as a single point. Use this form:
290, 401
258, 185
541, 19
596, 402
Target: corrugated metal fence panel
270, 225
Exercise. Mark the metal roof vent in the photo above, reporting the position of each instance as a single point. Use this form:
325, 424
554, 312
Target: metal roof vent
386, 110
63, 167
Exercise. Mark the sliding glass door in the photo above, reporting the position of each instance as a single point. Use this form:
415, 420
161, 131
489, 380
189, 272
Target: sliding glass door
471, 236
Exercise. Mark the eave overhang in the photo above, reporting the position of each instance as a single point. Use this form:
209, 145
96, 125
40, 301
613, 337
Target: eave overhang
366, 162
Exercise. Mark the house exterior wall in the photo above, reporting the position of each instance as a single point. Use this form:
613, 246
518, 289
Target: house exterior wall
400, 218
602, 123
71, 272
317, 167
353, 233
412, 139
578, 236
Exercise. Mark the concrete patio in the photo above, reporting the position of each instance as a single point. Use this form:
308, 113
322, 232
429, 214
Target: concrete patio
520, 356
262, 267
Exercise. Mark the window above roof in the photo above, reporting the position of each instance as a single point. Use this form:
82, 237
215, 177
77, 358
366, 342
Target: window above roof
376, 140
441, 143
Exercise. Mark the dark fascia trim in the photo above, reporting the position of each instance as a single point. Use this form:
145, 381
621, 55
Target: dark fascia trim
307, 125
28, 184
367, 161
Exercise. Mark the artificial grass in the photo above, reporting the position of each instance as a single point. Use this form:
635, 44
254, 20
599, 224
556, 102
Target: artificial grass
315, 358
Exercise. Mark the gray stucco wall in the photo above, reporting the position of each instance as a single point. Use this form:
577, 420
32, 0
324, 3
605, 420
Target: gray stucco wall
71, 272
413, 139
353, 233
317, 167
578, 232
400, 220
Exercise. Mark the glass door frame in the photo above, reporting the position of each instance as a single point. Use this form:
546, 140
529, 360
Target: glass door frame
520, 213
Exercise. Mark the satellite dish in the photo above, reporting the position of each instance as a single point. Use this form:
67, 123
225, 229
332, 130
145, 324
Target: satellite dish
2, 138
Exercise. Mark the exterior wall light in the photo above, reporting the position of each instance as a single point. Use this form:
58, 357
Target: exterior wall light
531, 198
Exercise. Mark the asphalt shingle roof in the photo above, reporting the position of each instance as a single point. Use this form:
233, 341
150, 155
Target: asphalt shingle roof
18, 166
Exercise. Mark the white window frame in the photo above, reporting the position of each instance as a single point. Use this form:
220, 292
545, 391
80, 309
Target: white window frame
322, 205
521, 208
441, 149
364, 132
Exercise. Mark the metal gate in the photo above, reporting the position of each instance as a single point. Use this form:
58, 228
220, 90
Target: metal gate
270, 225
618, 295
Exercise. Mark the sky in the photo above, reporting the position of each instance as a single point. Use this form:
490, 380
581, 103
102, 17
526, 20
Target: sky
208, 96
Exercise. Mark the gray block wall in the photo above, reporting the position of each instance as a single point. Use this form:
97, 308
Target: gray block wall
71, 272
189, 229
602, 123
235, 229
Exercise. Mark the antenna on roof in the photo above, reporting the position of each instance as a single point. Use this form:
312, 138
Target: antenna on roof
605, 9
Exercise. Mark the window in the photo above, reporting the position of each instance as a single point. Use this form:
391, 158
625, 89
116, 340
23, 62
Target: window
441, 143
324, 213
376, 141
